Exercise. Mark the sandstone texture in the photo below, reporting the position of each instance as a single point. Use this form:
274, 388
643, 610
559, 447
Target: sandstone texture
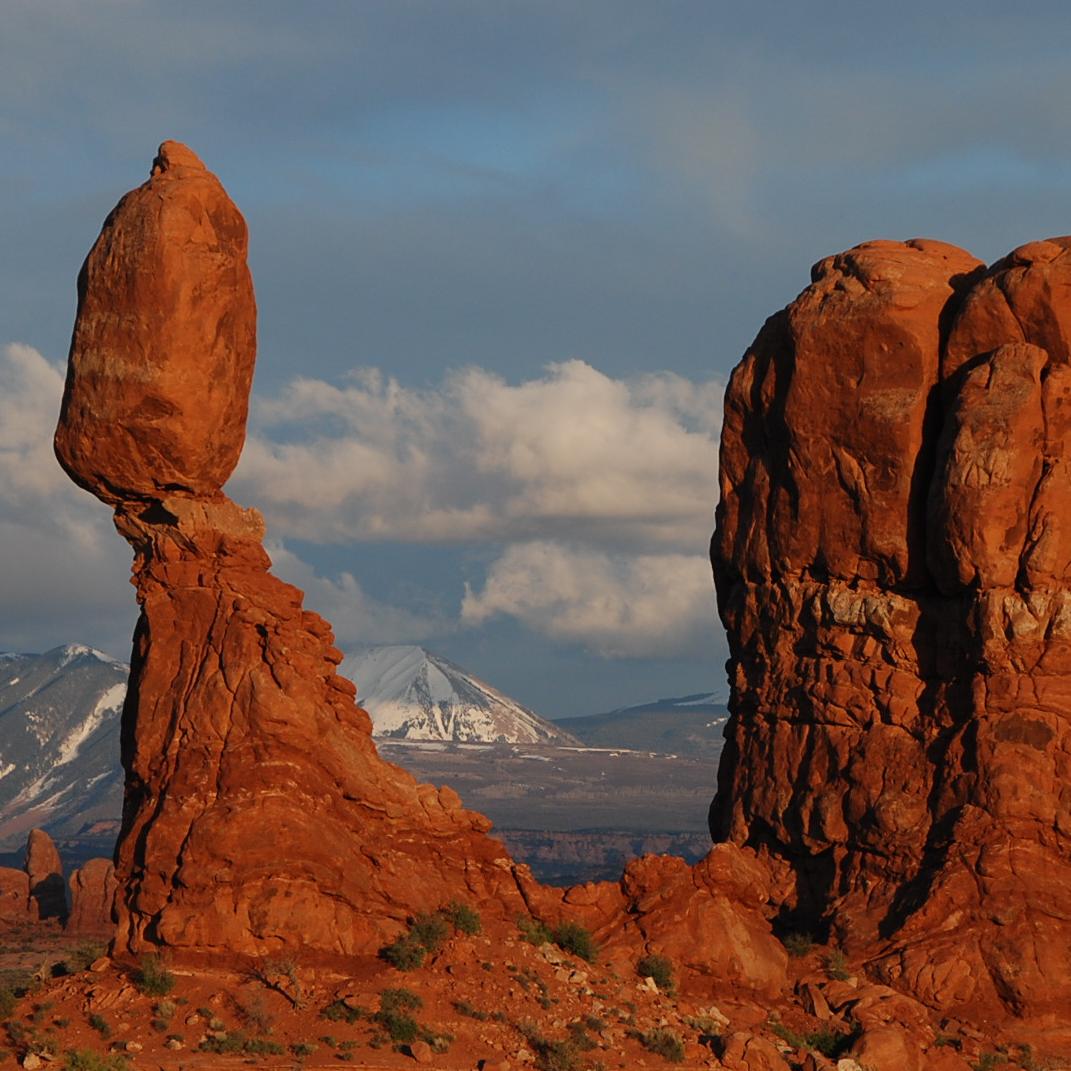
893, 561
93, 890
45, 872
259, 819
16, 905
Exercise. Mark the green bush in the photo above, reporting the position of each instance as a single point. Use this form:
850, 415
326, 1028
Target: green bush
660, 969
663, 1043
798, 945
8, 1002
407, 953
533, 931
88, 1060
463, 918
100, 1025
573, 938
153, 978
836, 965
399, 1026
392, 1000
339, 1012
431, 931
263, 1047
302, 1048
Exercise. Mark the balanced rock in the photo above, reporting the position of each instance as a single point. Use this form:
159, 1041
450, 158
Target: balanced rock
893, 564
258, 817
45, 872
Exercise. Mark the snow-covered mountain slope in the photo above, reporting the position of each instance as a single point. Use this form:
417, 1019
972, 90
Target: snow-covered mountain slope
59, 741
414, 695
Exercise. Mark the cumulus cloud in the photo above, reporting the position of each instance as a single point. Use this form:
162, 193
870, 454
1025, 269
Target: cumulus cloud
646, 605
595, 494
573, 455
589, 497
63, 572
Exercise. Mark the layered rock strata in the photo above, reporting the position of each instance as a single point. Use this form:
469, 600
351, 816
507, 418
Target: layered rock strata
258, 817
893, 560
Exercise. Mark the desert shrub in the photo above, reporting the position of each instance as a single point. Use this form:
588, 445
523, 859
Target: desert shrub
988, 1061
580, 1039
573, 938
153, 978
88, 1060
263, 1047
431, 931
399, 1000
406, 953
227, 1044
798, 945
660, 969
399, 1026
340, 1012
825, 1041
836, 966
254, 1015
302, 1048
78, 959
663, 1043
533, 931
463, 1007
463, 918
8, 1002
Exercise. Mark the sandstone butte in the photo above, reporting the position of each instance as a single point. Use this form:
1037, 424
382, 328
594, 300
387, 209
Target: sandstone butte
890, 558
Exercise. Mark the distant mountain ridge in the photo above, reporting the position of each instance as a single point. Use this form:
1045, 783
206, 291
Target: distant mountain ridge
691, 725
59, 740
413, 694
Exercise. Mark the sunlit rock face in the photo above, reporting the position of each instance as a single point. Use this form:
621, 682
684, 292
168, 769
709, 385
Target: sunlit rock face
258, 818
893, 561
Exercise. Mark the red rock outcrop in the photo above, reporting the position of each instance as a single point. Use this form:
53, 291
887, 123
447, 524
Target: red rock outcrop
16, 905
893, 561
45, 871
93, 889
258, 817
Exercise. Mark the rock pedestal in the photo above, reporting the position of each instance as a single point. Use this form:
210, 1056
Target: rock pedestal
258, 818
893, 563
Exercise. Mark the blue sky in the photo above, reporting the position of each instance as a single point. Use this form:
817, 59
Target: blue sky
505, 254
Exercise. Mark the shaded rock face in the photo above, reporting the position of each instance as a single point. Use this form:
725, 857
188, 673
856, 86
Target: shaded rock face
45, 871
893, 560
16, 904
93, 890
258, 817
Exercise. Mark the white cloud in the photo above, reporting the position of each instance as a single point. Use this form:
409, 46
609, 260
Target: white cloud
647, 605
594, 495
63, 573
572, 455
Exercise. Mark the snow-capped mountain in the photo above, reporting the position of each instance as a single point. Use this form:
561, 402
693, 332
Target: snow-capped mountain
414, 695
59, 741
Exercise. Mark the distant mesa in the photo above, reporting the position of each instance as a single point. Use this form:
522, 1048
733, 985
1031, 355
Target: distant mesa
412, 694
692, 725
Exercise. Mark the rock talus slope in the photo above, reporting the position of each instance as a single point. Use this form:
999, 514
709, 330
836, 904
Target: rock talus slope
258, 817
893, 561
